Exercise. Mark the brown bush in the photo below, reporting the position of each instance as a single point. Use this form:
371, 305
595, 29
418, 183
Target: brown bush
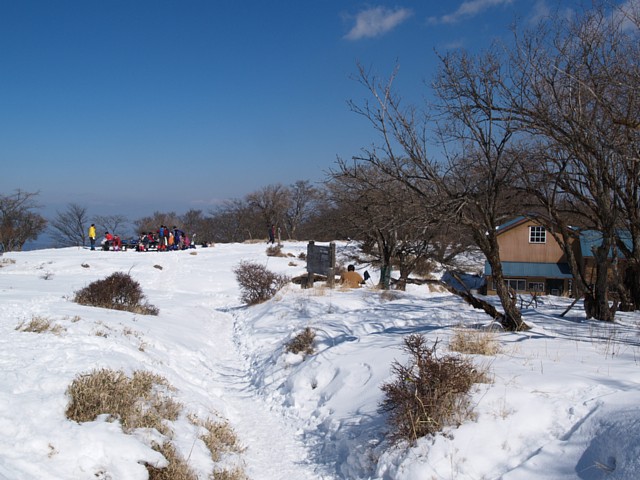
119, 291
302, 342
429, 393
257, 283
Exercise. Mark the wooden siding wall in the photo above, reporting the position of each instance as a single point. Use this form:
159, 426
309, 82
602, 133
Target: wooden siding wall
515, 246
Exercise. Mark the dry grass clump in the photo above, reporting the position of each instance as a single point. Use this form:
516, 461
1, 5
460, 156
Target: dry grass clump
119, 291
236, 473
141, 401
39, 324
178, 468
219, 437
258, 284
6, 261
302, 342
475, 342
275, 251
429, 393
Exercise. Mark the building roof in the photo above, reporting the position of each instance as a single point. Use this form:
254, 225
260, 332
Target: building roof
592, 239
530, 269
510, 224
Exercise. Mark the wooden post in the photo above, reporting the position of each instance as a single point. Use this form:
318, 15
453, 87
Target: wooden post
331, 272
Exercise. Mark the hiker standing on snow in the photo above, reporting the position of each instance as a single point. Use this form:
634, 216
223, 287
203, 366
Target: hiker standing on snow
92, 236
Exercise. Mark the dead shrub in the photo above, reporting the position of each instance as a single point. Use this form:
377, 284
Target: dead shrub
141, 401
119, 291
302, 342
178, 468
429, 393
257, 283
475, 342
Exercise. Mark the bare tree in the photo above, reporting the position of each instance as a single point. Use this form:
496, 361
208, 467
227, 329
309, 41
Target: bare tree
475, 183
143, 225
18, 220
271, 202
366, 200
112, 223
576, 93
235, 221
390, 220
68, 228
303, 198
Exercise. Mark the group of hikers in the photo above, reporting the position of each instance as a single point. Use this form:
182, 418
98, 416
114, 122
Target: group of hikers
162, 240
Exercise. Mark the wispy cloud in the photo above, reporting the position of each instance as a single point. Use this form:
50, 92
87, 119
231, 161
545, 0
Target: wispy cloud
377, 21
540, 11
630, 12
469, 8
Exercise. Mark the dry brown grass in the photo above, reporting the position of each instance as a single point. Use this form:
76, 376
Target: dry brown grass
275, 251
141, 401
236, 473
219, 437
475, 342
302, 342
39, 324
178, 468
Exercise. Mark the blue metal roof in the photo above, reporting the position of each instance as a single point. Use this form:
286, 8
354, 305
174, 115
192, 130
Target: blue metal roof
592, 239
510, 223
528, 269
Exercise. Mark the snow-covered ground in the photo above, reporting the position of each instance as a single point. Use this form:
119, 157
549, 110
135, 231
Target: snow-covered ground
564, 402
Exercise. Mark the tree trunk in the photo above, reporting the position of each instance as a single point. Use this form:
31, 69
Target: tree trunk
512, 319
596, 301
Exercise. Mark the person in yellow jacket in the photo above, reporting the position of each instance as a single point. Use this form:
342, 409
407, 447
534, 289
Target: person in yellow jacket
351, 278
92, 236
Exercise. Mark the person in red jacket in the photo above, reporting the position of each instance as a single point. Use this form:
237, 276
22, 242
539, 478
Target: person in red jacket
107, 241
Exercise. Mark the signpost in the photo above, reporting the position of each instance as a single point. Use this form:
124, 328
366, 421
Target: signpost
321, 260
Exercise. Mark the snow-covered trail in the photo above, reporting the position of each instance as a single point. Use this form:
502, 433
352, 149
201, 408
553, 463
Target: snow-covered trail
274, 447
193, 343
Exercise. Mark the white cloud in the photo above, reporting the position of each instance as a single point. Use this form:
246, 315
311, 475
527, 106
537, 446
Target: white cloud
377, 21
469, 8
540, 11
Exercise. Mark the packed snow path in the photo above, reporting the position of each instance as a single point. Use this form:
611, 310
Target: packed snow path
273, 445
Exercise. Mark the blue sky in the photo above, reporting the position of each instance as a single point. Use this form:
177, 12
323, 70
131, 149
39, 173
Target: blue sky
133, 106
